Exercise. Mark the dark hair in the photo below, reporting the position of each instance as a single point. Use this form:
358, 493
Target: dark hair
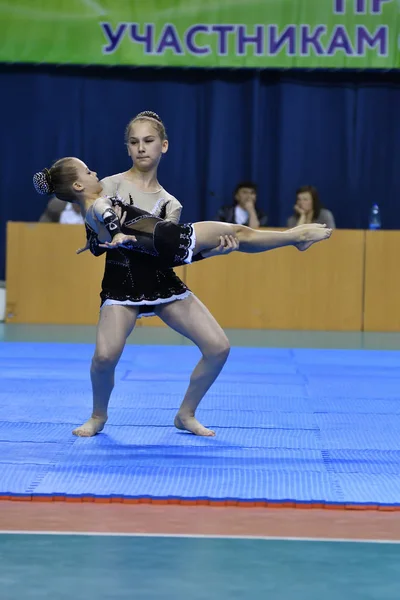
57, 180
148, 115
316, 203
241, 185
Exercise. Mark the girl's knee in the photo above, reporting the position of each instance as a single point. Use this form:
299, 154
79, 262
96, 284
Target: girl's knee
238, 229
220, 349
242, 232
104, 360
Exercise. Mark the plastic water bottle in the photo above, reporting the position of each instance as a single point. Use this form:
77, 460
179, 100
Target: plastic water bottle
375, 217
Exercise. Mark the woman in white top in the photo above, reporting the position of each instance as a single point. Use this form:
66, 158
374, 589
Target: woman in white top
71, 215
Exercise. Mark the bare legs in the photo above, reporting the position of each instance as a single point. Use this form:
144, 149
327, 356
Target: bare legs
252, 240
188, 317
191, 318
115, 325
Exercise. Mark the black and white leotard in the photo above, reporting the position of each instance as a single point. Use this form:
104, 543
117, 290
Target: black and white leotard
143, 274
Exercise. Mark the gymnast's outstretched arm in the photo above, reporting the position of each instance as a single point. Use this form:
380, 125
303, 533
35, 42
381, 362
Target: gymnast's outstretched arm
92, 241
104, 213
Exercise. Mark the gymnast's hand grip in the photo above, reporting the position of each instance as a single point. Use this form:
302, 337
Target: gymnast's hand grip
120, 240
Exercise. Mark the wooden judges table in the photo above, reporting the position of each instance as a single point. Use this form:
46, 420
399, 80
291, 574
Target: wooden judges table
349, 283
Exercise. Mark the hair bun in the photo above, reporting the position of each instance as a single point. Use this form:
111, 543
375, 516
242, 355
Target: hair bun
150, 115
42, 182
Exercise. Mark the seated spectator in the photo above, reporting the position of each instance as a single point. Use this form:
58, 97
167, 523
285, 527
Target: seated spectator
71, 215
58, 211
308, 209
243, 211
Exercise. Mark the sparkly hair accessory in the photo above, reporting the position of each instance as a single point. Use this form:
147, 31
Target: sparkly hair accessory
42, 182
150, 115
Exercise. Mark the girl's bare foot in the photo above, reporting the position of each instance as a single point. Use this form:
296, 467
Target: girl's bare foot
190, 423
93, 426
309, 234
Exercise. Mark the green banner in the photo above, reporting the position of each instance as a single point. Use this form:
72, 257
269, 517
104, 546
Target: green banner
360, 34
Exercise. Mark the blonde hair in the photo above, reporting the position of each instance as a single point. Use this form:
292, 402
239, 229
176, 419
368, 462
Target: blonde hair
153, 118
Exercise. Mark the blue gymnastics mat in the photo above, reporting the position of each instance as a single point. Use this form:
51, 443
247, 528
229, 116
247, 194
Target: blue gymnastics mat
293, 426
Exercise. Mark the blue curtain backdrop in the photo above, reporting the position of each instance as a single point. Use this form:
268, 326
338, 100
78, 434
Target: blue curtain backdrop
339, 131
